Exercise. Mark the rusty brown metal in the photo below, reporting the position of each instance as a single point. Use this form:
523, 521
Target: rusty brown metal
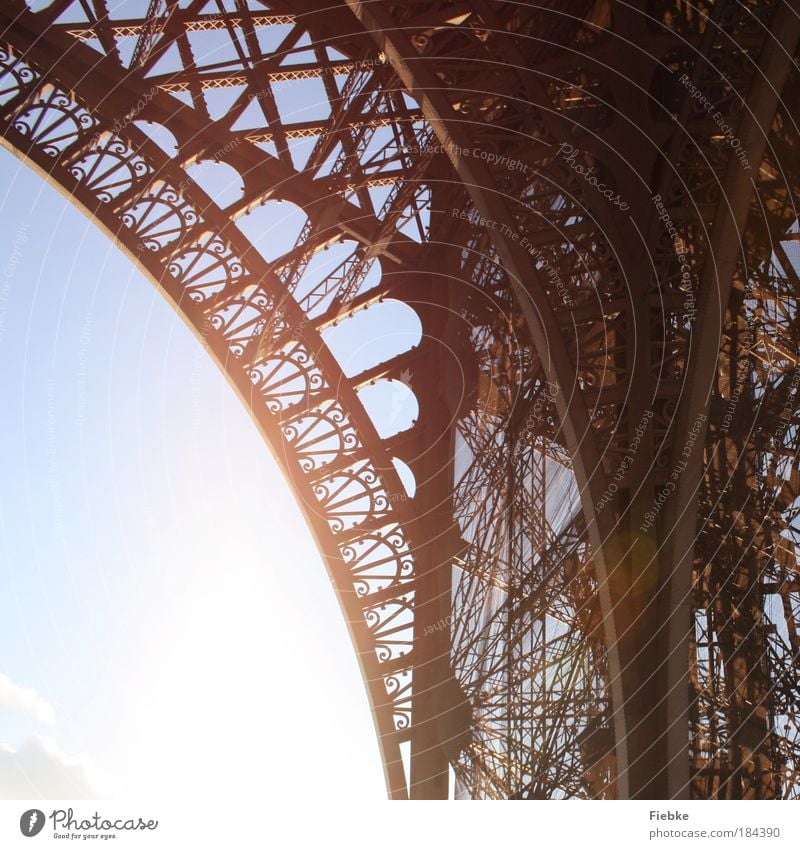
592, 588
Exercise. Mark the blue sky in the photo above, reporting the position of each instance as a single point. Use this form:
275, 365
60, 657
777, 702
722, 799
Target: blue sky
163, 602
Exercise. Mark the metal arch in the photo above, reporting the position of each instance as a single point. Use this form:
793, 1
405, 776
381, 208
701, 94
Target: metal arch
506, 680
157, 109
113, 175
264, 177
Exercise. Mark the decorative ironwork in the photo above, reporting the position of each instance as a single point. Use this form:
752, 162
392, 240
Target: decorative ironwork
576, 573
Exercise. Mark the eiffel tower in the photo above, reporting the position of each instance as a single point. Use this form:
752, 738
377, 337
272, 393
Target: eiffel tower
575, 573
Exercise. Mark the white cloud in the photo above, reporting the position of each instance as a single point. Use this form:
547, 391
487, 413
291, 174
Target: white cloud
24, 700
40, 770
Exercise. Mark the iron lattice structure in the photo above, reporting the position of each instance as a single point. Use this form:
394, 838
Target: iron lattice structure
591, 588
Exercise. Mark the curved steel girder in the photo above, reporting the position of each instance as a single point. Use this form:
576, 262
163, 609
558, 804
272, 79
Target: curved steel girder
143, 168
725, 252
541, 322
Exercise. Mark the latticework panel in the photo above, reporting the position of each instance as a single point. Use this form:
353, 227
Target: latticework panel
574, 210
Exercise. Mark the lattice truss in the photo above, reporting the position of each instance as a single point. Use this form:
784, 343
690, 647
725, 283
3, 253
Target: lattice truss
131, 125
525, 636
745, 650
122, 107
744, 667
745, 680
